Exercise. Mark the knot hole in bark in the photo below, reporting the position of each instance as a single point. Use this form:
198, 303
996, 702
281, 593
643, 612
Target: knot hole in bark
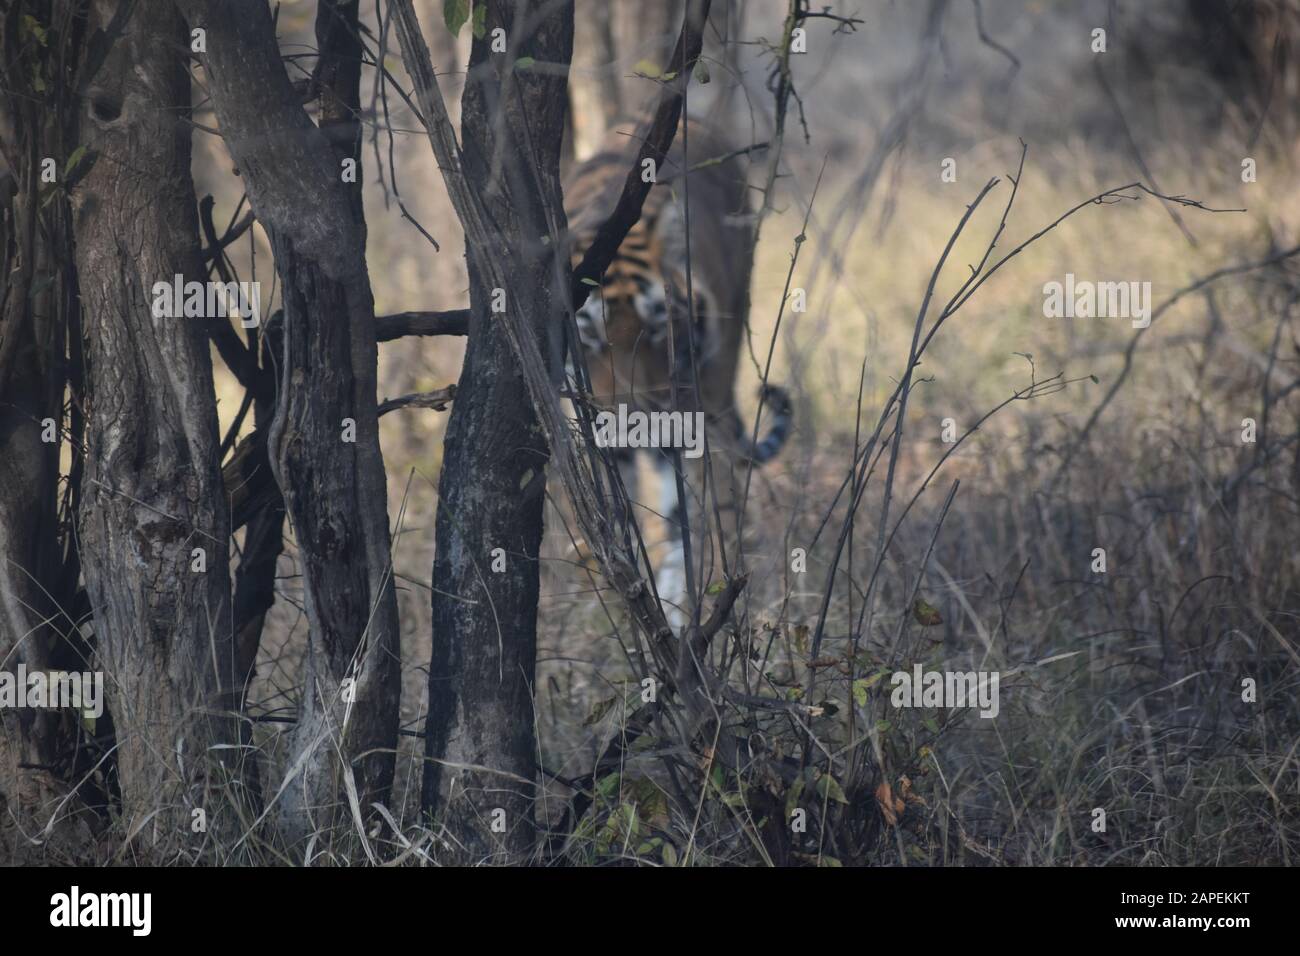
105, 107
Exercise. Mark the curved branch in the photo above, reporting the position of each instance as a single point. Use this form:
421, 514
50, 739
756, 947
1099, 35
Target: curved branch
655, 143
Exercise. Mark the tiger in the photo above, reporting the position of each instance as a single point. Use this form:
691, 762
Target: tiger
636, 327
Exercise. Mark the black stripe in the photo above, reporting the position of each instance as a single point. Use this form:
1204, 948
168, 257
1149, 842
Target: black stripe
778, 402
621, 256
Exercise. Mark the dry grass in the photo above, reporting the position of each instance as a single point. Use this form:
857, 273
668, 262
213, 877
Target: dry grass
1121, 690
1139, 710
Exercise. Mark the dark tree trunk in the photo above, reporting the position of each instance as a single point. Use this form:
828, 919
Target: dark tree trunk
38, 292
492, 485
334, 489
264, 539
152, 491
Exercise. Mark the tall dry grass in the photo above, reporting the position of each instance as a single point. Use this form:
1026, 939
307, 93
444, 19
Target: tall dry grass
1121, 690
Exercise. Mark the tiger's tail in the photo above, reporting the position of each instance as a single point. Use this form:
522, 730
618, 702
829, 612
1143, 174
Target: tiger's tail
777, 403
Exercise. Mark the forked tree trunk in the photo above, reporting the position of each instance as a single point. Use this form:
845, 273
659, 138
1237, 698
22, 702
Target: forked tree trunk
324, 443
153, 533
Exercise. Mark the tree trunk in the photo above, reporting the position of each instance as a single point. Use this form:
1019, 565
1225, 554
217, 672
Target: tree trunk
151, 512
491, 491
38, 292
30, 740
595, 88
323, 444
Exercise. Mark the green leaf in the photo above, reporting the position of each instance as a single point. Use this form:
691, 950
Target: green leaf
717, 587
600, 710
75, 158
479, 26
827, 786
701, 72
33, 26
454, 14
607, 786
651, 803
647, 68
669, 854
591, 282
927, 615
931, 725
1095, 380
801, 638
860, 692
632, 824
864, 684
882, 726
524, 62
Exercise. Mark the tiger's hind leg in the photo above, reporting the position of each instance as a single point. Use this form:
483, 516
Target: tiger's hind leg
712, 485
670, 570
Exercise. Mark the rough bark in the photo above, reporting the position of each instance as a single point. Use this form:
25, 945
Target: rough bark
334, 490
152, 490
495, 454
579, 464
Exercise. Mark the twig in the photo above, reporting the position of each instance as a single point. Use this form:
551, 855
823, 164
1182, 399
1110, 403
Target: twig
437, 400
1137, 337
